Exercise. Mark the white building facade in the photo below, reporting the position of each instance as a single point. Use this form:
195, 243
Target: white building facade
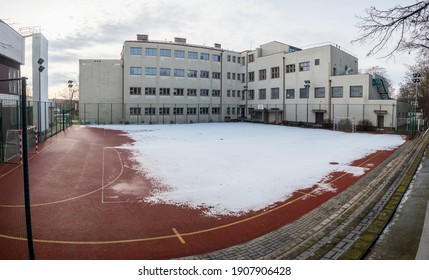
177, 82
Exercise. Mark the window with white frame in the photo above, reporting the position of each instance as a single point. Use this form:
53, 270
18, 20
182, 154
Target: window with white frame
216, 92
290, 93
215, 110
290, 68
135, 70
262, 74
135, 90
179, 54
304, 66
191, 111
204, 110
150, 91
204, 74
164, 71
135, 111
178, 91
150, 52
262, 93
356, 91
150, 71
165, 52
149, 111
251, 76
164, 111
164, 91
191, 92
337, 92
319, 92
205, 56
192, 55
251, 94
275, 93
178, 111
275, 72
216, 57
204, 92
179, 73
216, 75
135, 51
192, 73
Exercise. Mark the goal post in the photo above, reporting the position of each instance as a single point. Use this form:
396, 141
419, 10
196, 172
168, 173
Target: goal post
346, 124
13, 149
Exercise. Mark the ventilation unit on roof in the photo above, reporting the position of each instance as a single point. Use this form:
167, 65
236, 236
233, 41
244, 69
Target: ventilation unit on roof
180, 40
218, 46
142, 37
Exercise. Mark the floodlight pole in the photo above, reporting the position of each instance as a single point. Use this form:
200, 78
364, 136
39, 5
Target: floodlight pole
25, 168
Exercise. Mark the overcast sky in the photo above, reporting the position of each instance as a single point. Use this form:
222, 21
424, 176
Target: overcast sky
89, 29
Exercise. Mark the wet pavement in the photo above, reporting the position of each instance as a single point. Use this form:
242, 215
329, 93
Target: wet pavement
401, 238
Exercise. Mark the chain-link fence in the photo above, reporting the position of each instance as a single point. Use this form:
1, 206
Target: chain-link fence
382, 117
49, 118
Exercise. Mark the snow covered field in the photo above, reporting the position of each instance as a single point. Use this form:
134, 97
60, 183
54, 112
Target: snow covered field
233, 168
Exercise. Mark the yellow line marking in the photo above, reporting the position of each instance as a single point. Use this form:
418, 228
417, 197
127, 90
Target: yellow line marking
179, 236
176, 235
306, 194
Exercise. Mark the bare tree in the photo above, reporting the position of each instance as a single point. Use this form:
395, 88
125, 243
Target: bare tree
405, 27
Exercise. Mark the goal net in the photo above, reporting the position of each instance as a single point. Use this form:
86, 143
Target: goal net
346, 124
13, 144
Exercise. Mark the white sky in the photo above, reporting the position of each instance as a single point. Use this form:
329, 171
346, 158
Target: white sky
86, 29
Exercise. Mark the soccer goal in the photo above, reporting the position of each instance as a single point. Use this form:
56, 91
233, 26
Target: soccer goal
13, 144
346, 124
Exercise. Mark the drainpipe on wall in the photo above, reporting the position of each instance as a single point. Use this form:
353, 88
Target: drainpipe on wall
284, 90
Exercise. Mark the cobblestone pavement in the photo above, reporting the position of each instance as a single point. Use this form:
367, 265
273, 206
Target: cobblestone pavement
343, 227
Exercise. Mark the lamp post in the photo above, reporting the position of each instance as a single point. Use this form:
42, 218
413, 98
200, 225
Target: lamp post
243, 114
416, 79
307, 87
39, 107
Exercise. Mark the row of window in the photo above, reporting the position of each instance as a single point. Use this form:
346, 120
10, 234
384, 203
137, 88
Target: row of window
182, 54
302, 66
152, 71
137, 111
176, 53
319, 92
275, 73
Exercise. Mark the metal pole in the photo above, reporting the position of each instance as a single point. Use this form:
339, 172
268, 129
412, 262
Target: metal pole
25, 169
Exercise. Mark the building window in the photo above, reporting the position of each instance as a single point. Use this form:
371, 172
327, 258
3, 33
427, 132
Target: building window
275, 93
251, 76
251, 94
290, 93
304, 66
135, 111
243, 61
178, 92
164, 91
204, 74
164, 71
149, 111
290, 68
135, 90
179, 54
215, 110
356, 91
262, 93
204, 92
275, 72
228, 93
233, 76
191, 92
135, 70
317, 61
337, 92
238, 76
164, 111
228, 58
178, 111
228, 111
319, 92
192, 73
228, 75
243, 78
150, 71
238, 93
135, 51
149, 91
204, 110
251, 58
150, 52
303, 93
262, 74
179, 73
234, 58
192, 55
216, 57
239, 59
233, 110
216, 75
191, 111
204, 56
216, 92
165, 52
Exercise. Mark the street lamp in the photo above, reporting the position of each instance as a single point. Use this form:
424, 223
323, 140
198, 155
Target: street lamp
307, 87
39, 116
416, 79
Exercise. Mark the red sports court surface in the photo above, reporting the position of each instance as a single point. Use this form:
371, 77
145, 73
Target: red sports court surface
80, 210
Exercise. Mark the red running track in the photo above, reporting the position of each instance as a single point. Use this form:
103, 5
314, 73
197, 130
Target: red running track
87, 204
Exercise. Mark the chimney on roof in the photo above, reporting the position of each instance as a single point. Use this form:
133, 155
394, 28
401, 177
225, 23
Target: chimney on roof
217, 45
142, 37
